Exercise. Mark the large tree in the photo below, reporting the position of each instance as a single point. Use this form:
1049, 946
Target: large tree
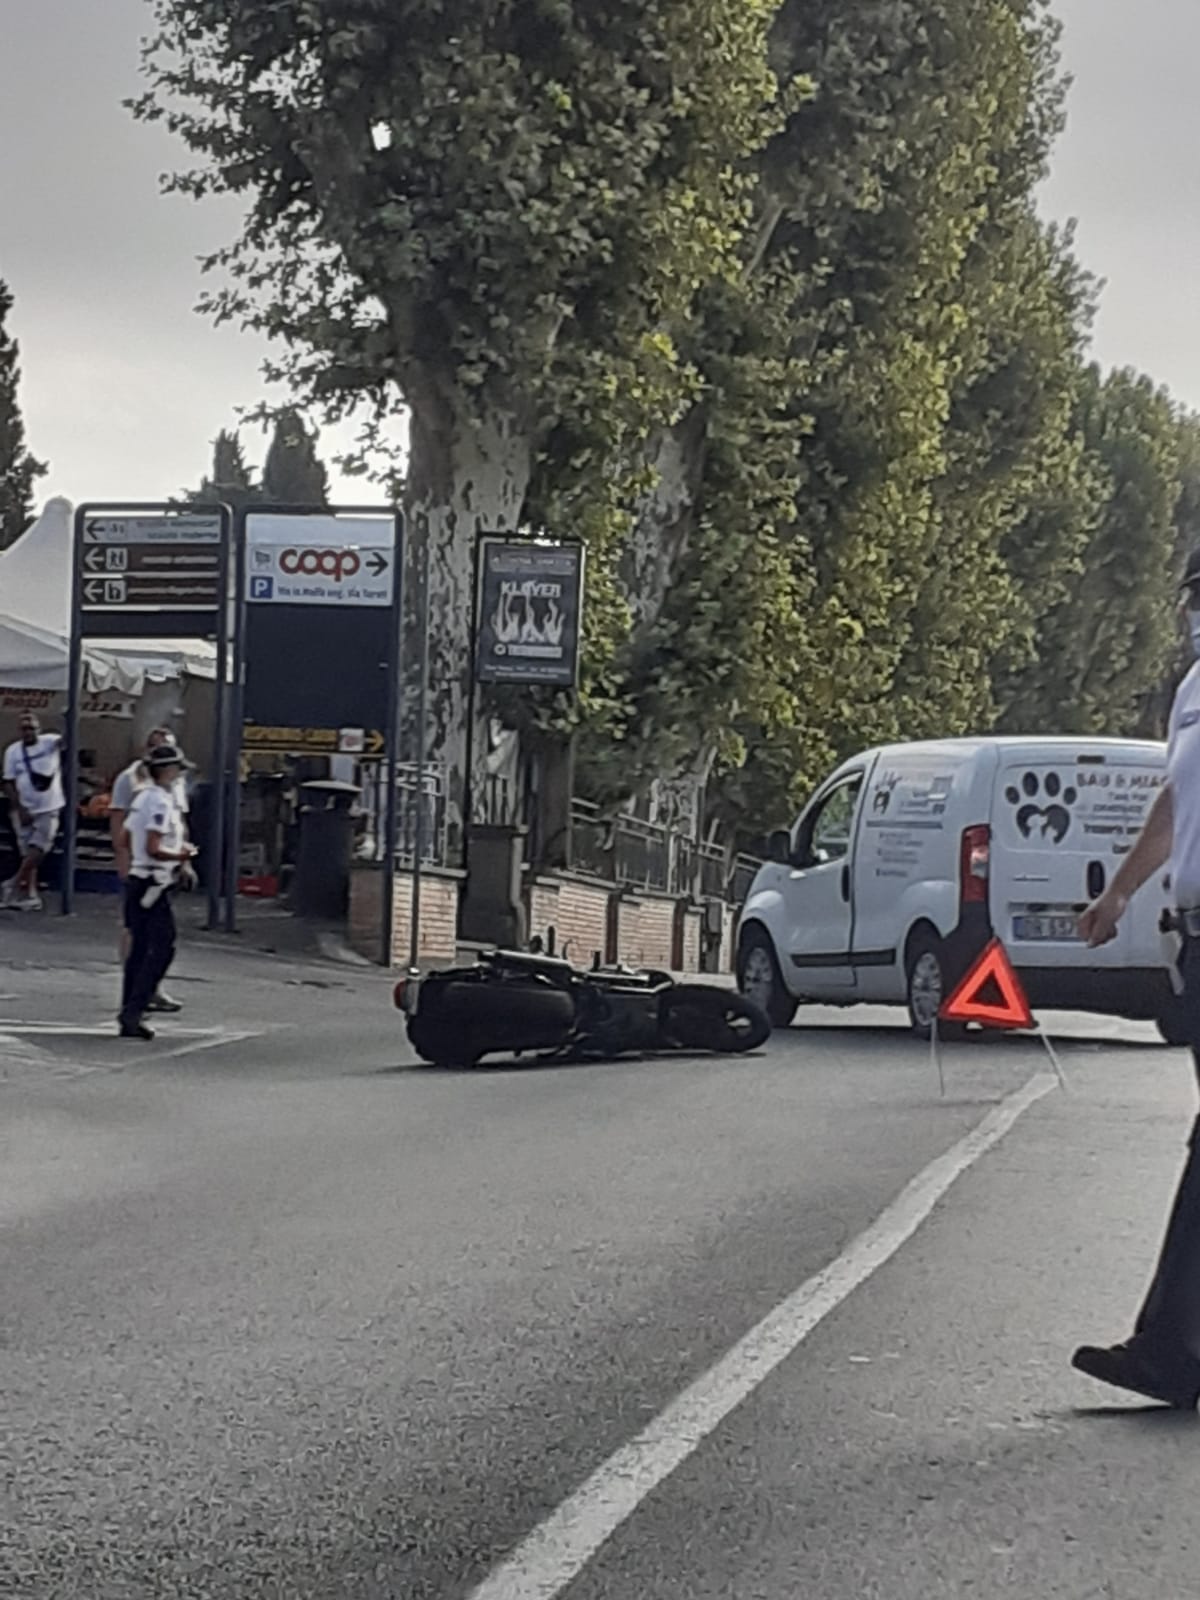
487, 212
941, 325
1105, 647
19, 471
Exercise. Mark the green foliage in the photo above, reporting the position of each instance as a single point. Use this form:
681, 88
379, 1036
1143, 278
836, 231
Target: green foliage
230, 480
293, 474
18, 469
439, 194
1104, 647
753, 297
495, 214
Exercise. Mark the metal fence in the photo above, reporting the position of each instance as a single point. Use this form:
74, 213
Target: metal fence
432, 812
620, 849
645, 855
745, 870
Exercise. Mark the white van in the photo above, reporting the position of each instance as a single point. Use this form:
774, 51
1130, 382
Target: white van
910, 858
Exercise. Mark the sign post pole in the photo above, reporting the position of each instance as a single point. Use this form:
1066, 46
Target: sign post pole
421, 736
74, 686
391, 753
220, 780
231, 753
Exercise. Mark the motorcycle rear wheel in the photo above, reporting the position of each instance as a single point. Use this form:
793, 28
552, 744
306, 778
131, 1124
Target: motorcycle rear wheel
704, 1017
459, 1022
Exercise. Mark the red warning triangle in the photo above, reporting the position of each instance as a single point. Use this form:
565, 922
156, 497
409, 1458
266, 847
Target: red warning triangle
992, 971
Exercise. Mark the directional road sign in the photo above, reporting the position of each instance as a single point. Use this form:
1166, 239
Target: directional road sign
366, 743
203, 559
183, 529
165, 563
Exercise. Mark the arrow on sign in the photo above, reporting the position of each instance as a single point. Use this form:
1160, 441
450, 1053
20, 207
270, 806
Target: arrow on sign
378, 563
93, 559
373, 744
93, 590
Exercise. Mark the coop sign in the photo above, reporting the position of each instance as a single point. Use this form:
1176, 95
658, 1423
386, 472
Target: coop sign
529, 601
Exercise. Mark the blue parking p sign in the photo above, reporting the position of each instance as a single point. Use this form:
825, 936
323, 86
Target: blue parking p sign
262, 588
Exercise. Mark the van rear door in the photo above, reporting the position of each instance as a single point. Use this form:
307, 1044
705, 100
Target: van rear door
1063, 818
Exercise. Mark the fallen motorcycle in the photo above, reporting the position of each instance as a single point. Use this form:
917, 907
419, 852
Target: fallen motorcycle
516, 1004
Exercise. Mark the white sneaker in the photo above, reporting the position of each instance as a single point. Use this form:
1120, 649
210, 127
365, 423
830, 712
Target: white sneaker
8, 893
31, 902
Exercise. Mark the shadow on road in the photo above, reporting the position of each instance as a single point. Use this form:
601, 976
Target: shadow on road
1150, 1416
991, 1039
522, 1066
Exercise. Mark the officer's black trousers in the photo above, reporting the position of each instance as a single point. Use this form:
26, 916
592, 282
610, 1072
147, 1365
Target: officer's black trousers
152, 945
1168, 1327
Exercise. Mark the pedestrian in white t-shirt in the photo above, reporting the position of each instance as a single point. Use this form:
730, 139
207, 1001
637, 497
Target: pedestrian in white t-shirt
126, 787
33, 784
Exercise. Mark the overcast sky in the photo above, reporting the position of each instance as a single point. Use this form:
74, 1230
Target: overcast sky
124, 386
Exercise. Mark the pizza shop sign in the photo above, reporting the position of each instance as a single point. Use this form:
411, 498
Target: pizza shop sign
46, 702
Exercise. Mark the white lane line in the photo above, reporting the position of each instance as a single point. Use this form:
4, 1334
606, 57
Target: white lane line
555, 1553
232, 1037
194, 1039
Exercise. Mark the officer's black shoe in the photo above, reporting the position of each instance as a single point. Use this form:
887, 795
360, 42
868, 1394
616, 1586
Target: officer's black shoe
1128, 1368
164, 1004
136, 1030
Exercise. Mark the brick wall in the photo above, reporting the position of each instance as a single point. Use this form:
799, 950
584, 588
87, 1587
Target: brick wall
640, 929
578, 913
439, 915
646, 931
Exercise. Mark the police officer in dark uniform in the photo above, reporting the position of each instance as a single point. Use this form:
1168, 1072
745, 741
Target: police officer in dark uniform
159, 859
1162, 1358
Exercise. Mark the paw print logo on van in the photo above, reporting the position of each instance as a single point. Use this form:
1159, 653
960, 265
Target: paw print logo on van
1043, 806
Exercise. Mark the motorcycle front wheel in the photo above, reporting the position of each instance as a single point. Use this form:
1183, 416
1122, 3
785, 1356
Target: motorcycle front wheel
703, 1017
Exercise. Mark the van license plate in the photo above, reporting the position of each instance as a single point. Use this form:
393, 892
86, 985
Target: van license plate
1052, 929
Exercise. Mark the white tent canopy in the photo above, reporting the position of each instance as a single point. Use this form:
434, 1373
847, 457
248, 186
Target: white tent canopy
35, 573
32, 658
35, 621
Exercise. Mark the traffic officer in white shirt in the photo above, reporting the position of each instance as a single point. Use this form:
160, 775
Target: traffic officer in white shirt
1162, 1358
126, 786
33, 784
159, 859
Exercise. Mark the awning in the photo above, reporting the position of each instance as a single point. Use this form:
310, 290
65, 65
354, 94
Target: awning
33, 658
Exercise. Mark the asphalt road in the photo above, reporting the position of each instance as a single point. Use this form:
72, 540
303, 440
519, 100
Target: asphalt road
284, 1315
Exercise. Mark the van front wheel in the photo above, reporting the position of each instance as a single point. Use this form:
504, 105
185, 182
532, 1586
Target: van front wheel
760, 979
928, 986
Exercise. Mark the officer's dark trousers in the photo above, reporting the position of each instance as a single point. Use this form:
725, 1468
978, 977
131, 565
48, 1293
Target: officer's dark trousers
151, 949
1168, 1327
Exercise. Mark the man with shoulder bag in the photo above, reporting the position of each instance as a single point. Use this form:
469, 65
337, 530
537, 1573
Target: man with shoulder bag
33, 785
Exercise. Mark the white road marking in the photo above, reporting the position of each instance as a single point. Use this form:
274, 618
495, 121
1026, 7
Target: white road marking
232, 1037
13, 1031
555, 1553
86, 1030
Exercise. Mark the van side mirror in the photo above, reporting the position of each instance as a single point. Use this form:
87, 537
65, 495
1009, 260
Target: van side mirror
779, 847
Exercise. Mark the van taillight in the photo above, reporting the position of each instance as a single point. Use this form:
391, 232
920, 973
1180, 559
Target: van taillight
975, 865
